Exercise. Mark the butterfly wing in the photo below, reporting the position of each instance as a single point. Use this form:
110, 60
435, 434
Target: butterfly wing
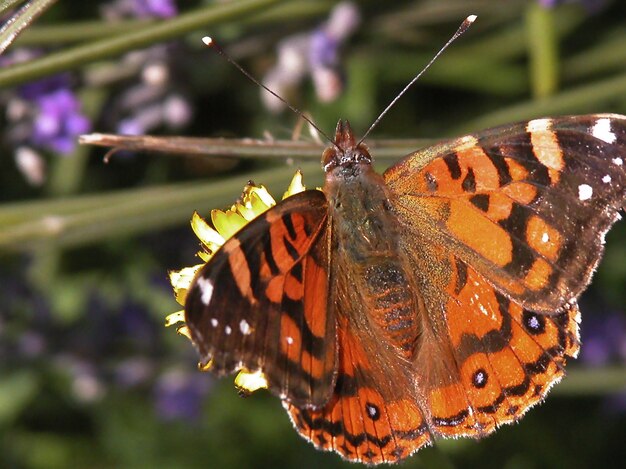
526, 205
500, 357
374, 415
506, 227
260, 302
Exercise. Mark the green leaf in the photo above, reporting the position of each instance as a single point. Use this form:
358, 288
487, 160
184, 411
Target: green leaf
16, 392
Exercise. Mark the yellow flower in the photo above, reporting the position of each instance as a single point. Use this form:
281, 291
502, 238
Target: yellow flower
254, 201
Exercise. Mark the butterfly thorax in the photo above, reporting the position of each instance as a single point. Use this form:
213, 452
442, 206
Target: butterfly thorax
366, 239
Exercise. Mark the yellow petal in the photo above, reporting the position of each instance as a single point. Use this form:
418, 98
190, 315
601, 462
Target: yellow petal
251, 208
257, 203
181, 280
184, 331
205, 256
295, 186
262, 193
174, 318
205, 366
209, 237
250, 382
227, 223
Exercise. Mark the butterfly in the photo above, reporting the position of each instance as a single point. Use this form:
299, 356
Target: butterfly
435, 300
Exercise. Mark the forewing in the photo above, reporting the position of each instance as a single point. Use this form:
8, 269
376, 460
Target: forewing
526, 205
260, 303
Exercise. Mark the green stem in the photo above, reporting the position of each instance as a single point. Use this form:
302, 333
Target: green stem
590, 381
20, 20
602, 58
143, 37
542, 50
51, 223
80, 32
459, 70
6, 4
243, 148
511, 41
574, 100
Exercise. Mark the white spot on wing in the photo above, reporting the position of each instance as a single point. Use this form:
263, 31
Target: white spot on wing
206, 290
244, 327
602, 130
289, 340
466, 142
214, 322
545, 237
228, 330
618, 161
538, 125
606, 179
585, 191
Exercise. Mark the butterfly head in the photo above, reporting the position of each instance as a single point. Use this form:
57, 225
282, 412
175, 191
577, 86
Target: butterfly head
345, 151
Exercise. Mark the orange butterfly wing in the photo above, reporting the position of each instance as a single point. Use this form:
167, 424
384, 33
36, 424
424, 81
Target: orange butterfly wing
504, 357
508, 226
527, 205
260, 302
455, 320
374, 415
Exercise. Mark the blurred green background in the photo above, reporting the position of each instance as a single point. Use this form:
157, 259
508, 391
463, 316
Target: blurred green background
89, 377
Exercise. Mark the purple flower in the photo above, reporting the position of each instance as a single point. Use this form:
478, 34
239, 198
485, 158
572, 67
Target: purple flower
179, 395
604, 339
46, 114
135, 324
140, 9
315, 54
154, 101
154, 8
592, 6
59, 121
40, 88
134, 371
323, 50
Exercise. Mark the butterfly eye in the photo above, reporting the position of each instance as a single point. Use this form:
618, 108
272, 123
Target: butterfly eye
386, 205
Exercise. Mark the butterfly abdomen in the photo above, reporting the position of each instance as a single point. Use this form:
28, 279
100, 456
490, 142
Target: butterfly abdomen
392, 303
366, 235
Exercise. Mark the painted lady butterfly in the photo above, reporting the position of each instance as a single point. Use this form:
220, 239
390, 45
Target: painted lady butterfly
435, 300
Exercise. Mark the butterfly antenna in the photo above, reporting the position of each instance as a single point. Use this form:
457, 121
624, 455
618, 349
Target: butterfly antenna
209, 42
464, 27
